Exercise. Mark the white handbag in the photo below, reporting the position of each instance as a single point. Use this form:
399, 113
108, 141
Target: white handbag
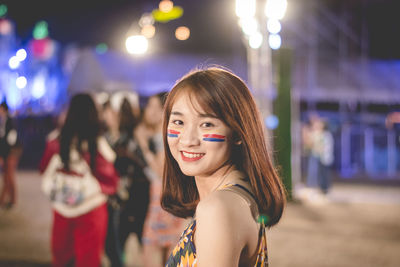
75, 192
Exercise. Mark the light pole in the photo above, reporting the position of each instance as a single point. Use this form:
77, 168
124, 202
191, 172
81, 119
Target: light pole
260, 35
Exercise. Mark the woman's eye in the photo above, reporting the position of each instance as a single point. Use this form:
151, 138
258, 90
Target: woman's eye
207, 124
177, 122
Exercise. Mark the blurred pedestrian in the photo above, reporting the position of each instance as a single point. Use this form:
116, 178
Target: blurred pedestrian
318, 143
161, 229
10, 151
218, 171
79, 224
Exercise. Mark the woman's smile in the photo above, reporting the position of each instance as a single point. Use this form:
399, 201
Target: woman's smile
190, 156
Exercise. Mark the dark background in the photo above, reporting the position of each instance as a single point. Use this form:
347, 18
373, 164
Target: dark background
213, 23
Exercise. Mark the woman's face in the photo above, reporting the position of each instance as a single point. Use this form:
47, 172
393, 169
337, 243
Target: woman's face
199, 142
153, 111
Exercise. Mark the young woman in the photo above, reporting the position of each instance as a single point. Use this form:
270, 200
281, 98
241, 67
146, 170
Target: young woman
79, 240
218, 171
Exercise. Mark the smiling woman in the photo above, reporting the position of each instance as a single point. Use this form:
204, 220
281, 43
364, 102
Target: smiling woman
218, 171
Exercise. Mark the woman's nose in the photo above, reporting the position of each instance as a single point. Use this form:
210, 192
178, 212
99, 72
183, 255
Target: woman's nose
189, 137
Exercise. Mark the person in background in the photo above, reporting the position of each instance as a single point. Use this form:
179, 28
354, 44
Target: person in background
218, 171
10, 151
318, 143
130, 203
161, 229
80, 240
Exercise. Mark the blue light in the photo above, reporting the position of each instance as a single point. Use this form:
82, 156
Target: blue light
13, 63
21, 54
271, 122
21, 82
275, 41
38, 86
274, 26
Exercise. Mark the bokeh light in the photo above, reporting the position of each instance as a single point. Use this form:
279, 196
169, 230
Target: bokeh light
21, 82
166, 6
275, 41
3, 10
271, 122
148, 31
275, 9
175, 13
136, 44
40, 31
39, 86
182, 33
249, 25
21, 54
274, 26
5, 27
255, 40
245, 8
146, 19
13, 63
101, 48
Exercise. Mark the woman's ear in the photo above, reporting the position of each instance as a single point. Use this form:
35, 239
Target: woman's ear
239, 142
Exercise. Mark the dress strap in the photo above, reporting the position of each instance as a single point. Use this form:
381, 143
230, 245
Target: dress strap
246, 194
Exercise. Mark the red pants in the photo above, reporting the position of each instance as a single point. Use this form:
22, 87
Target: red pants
8, 193
79, 240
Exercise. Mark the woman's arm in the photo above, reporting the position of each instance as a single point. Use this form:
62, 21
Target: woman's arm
154, 160
222, 229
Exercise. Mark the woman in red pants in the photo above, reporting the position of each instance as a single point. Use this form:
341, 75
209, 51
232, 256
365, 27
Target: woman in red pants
78, 239
9, 155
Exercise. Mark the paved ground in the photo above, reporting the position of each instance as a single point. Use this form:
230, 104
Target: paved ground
354, 225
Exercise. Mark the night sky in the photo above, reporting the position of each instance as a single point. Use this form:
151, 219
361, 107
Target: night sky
212, 22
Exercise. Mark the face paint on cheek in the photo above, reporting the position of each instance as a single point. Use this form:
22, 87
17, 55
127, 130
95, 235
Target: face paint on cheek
172, 133
213, 138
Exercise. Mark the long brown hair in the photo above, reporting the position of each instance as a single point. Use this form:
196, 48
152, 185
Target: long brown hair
224, 94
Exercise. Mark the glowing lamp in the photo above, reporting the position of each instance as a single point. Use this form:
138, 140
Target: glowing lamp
101, 48
255, 40
249, 25
136, 44
245, 8
274, 26
166, 6
5, 27
182, 33
40, 31
21, 54
3, 10
275, 41
42, 49
146, 19
13, 63
148, 31
21, 82
275, 9
271, 122
175, 13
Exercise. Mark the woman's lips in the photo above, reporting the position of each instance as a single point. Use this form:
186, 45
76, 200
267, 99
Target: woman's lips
189, 156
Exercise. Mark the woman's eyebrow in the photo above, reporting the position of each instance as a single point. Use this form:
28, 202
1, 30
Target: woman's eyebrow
177, 113
204, 115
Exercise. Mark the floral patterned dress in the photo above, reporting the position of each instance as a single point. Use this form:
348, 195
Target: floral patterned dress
184, 254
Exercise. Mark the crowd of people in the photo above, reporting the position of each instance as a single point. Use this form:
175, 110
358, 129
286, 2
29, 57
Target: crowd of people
122, 145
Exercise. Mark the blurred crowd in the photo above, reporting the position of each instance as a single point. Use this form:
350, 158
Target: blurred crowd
120, 150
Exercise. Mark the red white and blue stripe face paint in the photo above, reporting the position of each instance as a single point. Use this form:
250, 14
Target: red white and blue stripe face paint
213, 138
172, 133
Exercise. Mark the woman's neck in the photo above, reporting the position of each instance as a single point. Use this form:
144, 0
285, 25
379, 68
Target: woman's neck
210, 183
